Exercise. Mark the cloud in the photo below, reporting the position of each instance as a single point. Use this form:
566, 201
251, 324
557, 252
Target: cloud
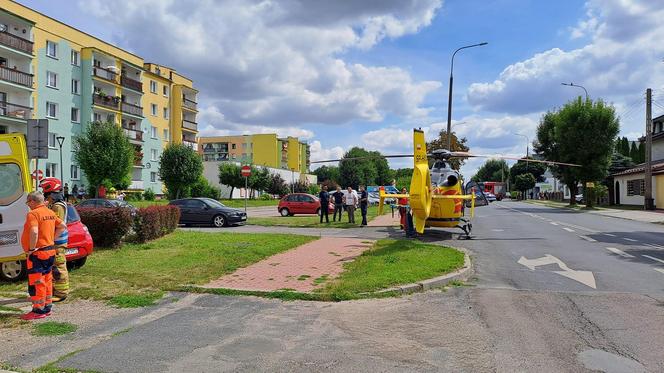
318, 153
215, 125
278, 63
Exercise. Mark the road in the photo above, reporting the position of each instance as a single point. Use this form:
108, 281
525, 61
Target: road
553, 290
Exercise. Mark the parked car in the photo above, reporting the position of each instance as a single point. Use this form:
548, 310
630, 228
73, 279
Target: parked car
208, 211
490, 196
578, 198
80, 245
106, 203
300, 203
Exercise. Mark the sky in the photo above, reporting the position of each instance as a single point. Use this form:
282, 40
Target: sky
348, 73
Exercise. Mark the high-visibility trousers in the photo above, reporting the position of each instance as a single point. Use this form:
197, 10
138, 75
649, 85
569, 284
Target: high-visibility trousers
40, 280
60, 273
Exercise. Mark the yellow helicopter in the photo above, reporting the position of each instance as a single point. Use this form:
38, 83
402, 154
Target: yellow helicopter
437, 194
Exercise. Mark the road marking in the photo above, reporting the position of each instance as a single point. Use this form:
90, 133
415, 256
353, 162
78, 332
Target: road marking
653, 258
569, 229
588, 239
655, 246
498, 230
585, 277
609, 234
629, 239
619, 252
660, 270
554, 223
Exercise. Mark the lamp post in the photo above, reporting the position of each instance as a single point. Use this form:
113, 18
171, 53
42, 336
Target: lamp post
527, 144
449, 99
577, 86
61, 140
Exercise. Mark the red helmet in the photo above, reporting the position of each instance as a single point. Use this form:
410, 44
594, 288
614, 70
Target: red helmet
50, 185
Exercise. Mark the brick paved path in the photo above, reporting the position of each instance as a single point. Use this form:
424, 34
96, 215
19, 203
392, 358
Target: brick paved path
385, 220
304, 268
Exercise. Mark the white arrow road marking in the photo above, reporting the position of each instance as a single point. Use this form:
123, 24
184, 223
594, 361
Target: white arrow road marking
653, 258
569, 229
619, 252
554, 223
588, 239
659, 270
585, 277
629, 239
655, 246
609, 234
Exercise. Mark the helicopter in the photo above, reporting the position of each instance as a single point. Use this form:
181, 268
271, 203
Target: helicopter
438, 197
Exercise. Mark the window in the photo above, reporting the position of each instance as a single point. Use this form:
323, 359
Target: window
636, 187
153, 177
51, 79
165, 90
75, 115
51, 109
96, 117
244, 146
75, 87
74, 58
233, 146
153, 109
11, 191
51, 49
51, 169
110, 118
153, 132
74, 171
153, 154
51, 140
165, 113
153, 86
166, 138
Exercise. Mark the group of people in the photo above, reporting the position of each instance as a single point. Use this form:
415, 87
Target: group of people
77, 193
44, 240
348, 201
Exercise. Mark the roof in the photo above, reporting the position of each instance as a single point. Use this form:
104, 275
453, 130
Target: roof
657, 168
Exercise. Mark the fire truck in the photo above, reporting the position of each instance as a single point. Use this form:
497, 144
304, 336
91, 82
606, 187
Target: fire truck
498, 188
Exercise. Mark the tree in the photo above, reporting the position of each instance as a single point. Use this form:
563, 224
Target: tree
403, 182
203, 188
104, 153
399, 172
492, 170
259, 179
180, 166
384, 175
230, 175
642, 153
355, 172
534, 168
634, 153
581, 132
325, 173
457, 145
619, 163
277, 185
524, 182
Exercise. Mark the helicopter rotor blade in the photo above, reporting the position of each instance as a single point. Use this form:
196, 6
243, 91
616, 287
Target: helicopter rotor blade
365, 157
518, 159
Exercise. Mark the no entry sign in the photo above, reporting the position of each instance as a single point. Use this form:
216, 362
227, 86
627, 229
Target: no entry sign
246, 171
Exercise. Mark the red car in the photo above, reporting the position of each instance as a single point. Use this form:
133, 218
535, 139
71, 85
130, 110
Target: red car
80, 245
300, 203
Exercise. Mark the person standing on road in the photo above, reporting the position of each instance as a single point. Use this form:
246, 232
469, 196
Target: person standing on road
38, 237
51, 189
74, 192
65, 190
364, 203
338, 203
350, 201
324, 198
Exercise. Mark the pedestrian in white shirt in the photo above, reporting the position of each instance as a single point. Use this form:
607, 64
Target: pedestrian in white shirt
350, 201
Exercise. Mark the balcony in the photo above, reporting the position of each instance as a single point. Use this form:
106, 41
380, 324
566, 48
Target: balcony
15, 111
15, 42
138, 159
136, 184
133, 134
106, 74
190, 125
131, 83
16, 76
190, 144
132, 109
107, 101
189, 104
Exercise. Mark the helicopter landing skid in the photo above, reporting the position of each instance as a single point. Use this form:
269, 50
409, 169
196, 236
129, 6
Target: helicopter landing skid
467, 228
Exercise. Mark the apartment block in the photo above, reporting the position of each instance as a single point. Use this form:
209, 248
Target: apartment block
49, 70
261, 150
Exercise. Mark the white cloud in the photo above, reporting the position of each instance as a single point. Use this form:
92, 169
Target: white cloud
318, 153
215, 125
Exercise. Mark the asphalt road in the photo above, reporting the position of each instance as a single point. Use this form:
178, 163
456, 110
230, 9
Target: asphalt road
553, 291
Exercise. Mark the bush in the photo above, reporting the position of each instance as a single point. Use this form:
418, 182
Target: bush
133, 196
266, 197
314, 189
107, 226
202, 188
148, 195
155, 221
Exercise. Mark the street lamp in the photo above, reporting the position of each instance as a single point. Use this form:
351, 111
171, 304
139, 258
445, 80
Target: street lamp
527, 144
578, 86
449, 99
61, 140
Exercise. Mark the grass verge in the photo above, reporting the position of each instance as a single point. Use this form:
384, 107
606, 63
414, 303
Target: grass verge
237, 203
51, 328
304, 221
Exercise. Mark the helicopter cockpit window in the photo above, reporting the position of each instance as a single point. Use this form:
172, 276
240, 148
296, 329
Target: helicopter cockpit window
439, 165
450, 181
480, 198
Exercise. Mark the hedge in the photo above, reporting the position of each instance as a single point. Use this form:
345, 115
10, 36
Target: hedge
155, 221
107, 226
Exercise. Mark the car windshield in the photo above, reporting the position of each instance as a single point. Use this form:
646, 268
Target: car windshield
72, 215
213, 203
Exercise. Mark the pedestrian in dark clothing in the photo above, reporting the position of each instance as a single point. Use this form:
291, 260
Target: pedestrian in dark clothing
338, 203
324, 197
74, 192
66, 192
364, 203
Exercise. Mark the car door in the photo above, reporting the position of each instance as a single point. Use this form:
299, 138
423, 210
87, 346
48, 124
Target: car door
199, 211
309, 205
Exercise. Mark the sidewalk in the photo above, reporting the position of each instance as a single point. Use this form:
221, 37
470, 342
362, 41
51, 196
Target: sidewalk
637, 215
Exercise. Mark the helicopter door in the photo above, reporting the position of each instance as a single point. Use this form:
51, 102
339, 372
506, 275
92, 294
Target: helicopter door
480, 198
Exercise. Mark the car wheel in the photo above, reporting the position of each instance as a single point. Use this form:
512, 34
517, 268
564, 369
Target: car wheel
80, 262
219, 221
318, 212
284, 212
13, 271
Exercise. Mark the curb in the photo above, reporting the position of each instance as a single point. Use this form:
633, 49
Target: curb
437, 282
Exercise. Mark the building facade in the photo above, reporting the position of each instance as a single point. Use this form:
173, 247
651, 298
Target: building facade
261, 150
49, 70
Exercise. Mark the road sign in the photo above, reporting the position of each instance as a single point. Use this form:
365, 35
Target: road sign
37, 174
37, 138
590, 185
246, 171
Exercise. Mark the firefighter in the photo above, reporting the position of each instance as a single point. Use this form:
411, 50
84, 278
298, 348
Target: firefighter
39, 231
52, 188
403, 209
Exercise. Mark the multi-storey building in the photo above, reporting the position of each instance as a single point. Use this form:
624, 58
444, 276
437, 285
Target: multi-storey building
261, 150
54, 71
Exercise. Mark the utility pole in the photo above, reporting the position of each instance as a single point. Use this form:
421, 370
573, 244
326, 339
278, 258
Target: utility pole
649, 202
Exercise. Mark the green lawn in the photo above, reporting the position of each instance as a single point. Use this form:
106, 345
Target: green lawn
314, 220
238, 203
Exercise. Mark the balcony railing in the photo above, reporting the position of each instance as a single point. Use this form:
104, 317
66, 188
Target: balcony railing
18, 43
131, 83
191, 144
16, 76
189, 104
190, 125
132, 109
136, 184
133, 134
138, 159
106, 101
15, 111
105, 74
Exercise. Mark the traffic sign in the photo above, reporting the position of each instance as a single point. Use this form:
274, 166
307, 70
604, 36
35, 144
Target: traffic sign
38, 174
246, 171
37, 138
